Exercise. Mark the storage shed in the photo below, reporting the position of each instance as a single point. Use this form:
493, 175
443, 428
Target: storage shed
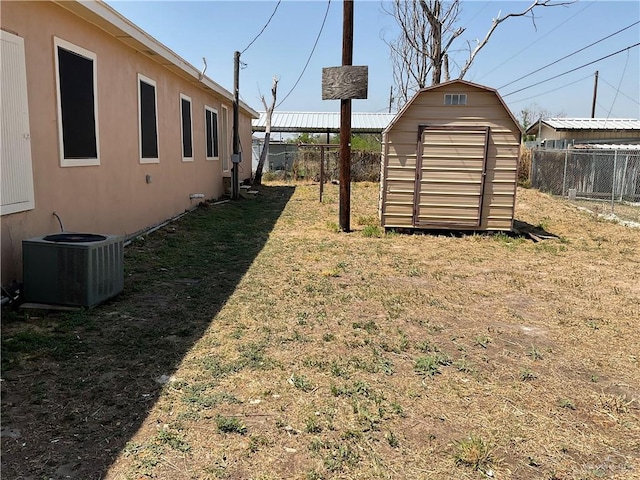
450, 160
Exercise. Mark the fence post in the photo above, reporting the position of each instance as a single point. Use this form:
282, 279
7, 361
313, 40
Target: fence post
321, 171
532, 175
564, 175
613, 181
624, 177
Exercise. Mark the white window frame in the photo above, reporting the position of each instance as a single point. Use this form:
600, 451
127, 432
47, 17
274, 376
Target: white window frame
186, 97
223, 142
207, 108
148, 81
460, 99
76, 162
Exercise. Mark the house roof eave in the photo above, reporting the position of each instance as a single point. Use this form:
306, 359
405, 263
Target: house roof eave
112, 22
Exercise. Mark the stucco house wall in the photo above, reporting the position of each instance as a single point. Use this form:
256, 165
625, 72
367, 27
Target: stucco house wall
121, 195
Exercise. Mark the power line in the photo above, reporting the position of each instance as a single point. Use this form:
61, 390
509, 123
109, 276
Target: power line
615, 97
263, 28
310, 55
621, 93
589, 4
468, 22
553, 90
572, 70
570, 55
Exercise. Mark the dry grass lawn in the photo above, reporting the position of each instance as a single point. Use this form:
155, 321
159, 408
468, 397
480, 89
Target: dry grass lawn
362, 355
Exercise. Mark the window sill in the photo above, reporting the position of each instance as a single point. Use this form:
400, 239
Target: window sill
80, 162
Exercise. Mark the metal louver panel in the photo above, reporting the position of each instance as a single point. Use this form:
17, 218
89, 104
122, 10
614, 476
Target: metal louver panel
74, 274
17, 177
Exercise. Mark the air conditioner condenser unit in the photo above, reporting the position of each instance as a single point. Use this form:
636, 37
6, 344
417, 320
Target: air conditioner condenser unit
73, 269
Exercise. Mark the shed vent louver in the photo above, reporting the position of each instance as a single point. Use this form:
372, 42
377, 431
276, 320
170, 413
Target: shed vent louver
73, 269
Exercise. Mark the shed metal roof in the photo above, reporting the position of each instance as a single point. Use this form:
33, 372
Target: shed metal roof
322, 122
589, 124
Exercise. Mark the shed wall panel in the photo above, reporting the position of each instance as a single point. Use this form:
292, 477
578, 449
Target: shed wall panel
406, 174
462, 200
401, 162
405, 198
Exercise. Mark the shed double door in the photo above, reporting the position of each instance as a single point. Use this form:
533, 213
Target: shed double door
450, 175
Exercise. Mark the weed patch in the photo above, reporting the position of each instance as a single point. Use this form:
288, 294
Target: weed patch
231, 425
474, 452
430, 365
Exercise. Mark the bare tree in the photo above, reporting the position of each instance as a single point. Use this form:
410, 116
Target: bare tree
530, 114
428, 29
257, 180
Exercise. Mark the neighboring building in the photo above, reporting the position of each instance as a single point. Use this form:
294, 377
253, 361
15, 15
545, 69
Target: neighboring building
562, 132
281, 155
450, 160
103, 125
322, 122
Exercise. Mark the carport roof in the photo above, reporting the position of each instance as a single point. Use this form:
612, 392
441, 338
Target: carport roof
322, 122
597, 124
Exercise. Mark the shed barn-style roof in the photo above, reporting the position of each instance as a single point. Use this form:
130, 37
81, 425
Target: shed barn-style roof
452, 82
322, 122
592, 124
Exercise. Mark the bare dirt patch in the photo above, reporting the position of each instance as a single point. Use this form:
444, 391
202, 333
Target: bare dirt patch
300, 352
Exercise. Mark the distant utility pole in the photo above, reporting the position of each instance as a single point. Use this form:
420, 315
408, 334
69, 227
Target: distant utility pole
390, 98
235, 184
345, 122
595, 94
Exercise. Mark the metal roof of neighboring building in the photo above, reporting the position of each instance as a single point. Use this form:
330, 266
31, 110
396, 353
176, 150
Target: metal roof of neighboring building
589, 124
604, 146
322, 122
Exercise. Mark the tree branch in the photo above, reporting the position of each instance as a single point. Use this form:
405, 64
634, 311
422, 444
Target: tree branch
498, 20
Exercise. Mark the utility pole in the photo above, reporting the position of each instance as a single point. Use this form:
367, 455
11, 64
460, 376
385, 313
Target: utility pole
235, 184
390, 98
595, 94
345, 122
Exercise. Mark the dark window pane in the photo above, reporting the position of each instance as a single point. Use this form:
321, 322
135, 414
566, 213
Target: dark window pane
215, 134
209, 124
187, 148
77, 105
148, 120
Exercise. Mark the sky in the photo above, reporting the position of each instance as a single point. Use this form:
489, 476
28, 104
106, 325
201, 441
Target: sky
216, 29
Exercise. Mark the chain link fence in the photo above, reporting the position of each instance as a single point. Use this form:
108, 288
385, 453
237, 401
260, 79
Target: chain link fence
304, 163
603, 181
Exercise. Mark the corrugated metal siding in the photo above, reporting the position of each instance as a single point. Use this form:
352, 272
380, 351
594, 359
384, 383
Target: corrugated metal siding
453, 158
450, 189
